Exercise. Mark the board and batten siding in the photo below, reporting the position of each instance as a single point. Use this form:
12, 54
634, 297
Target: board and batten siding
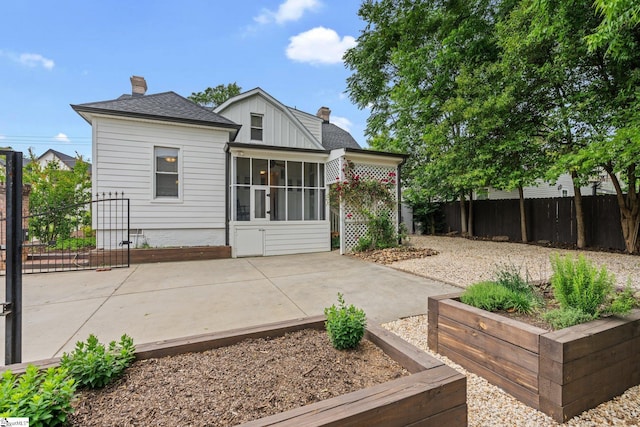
124, 163
285, 238
278, 127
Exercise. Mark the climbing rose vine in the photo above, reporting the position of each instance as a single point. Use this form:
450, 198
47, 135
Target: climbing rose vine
374, 200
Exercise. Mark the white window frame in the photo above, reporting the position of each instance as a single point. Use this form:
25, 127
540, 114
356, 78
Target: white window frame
167, 199
252, 127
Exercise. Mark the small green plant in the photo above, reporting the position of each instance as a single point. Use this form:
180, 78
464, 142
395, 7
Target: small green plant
345, 325
42, 396
93, 365
508, 292
492, 296
564, 317
584, 292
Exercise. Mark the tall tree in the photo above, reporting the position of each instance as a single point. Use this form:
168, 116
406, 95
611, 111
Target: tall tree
406, 69
57, 198
212, 97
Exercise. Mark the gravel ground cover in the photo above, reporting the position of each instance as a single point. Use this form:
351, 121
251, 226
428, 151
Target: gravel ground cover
462, 262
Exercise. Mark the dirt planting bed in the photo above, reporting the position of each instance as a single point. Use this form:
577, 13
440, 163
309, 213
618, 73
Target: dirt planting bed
231, 385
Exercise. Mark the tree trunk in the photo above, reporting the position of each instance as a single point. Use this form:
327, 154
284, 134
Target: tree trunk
470, 218
629, 209
577, 197
523, 216
463, 215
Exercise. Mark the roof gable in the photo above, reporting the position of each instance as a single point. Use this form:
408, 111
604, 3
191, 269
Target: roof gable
334, 137
166, 106
233, 108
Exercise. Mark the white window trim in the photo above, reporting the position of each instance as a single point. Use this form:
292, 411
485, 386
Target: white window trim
167, 200
251, 127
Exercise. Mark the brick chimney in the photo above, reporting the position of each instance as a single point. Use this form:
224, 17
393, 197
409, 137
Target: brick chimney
138, 86
324, 113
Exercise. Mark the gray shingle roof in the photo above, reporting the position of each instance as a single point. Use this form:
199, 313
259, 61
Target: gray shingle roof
167, 106
334, 137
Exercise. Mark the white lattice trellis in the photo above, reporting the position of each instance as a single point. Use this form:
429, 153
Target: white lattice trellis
354, 224
332, 172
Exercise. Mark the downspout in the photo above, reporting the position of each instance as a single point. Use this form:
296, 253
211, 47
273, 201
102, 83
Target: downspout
227, 209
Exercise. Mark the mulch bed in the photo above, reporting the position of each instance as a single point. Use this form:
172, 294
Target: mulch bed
235, 384
391, 255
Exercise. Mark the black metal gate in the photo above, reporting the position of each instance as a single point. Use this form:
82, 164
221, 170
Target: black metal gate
86, 236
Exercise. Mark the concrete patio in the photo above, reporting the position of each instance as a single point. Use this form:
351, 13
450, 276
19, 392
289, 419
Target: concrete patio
152, 302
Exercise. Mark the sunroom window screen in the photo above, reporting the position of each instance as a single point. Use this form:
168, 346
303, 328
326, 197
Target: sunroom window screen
296, 189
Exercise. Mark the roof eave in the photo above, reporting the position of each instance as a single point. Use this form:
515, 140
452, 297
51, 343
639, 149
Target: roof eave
86, 113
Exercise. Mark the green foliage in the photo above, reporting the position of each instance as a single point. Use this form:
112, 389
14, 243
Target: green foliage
492, 296
44, 397
57, 198
565, 317
212, 97
93, 365
76, 243
578, 284
345, 325
381, 233
621, 302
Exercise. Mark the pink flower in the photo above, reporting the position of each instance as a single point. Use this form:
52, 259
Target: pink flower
349, 216
392, 174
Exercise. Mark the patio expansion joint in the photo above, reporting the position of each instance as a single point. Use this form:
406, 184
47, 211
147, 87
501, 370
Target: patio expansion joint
122, 282
278, 288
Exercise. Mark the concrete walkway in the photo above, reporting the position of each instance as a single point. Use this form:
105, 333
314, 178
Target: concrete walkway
152, 302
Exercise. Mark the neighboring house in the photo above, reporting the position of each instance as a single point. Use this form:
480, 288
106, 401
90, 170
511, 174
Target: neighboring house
253, 174
563, 187
65, 161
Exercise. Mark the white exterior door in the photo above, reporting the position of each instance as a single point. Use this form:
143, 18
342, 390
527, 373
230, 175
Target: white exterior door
260, 203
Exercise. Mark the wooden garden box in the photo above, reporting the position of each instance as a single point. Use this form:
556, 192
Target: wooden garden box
561, 373
434, 394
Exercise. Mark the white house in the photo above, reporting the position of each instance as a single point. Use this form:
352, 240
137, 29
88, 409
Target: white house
563, 187
254, 174
65, 161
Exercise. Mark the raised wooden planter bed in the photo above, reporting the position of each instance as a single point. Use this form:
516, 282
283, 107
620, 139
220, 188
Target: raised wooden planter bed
561, 373
433, 395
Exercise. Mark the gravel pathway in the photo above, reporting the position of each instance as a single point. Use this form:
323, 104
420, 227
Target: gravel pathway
462, 262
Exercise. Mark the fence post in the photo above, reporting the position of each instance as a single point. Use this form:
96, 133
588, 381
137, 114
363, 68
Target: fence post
12, 308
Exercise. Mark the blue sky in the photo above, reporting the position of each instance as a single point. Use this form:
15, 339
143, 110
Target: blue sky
56, 53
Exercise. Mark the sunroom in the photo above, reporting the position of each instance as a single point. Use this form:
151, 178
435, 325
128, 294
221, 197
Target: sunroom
277, 200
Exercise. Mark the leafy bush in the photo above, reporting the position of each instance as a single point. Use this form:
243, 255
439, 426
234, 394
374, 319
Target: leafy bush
565, 317
43, 396
345, 325
76, 243
92, 365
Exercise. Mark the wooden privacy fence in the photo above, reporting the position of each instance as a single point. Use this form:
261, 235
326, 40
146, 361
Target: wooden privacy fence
553, 220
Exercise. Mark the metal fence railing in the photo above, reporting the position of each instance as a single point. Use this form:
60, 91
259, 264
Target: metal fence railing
82, 236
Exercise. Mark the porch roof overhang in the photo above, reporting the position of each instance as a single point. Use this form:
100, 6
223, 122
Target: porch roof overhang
370, 156
235, 146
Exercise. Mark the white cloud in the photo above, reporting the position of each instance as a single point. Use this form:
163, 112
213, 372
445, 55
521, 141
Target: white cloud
29, 59
2, 137
290, 10
61, 137
35, 59
342, 122
319, 46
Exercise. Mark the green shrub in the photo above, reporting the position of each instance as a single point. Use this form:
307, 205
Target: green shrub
345, 325
92, 365
492, 296
578, 284
42, 396
565, 317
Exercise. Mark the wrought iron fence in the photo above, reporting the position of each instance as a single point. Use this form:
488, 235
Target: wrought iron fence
84, 236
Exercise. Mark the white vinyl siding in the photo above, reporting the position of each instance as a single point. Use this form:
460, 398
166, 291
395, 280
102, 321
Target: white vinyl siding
284, 238
278, 127
311, 122
124, 162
